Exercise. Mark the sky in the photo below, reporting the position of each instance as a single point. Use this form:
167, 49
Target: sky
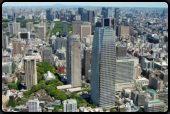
112, 4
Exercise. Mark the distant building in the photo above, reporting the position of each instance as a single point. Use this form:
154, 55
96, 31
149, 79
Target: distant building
5, 42
69, 105
124, 31
41, 32
106, 22
47, 54
90, 16
30, 71
154, 106
49, 76
117, 12
29, 26
85, 30
13, 27
17, 47
64, 28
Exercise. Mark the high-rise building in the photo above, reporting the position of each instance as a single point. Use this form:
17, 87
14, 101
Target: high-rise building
60, 42
7, 67
49, 13
84, 16
80, 12
33, 105
69, 105
29, 26
138, 97
17, 47
76, 27
85, 30
124, 31
3, 40
78, 18
95, 19
104, 12
13, 27
73, 59
64, 28
103, 68
30, 71
109, 11
47, 54
117, 12
90, 16
113, 21
87, 61
72, 17
41, 32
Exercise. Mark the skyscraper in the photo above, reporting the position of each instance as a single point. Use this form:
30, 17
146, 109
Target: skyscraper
47, 54
17, 47
29, 26
49, 13
73, 59
106, 22
64, 28
41, 32
30, 71
13, 27
90, 16
3, 39
117, 11
109, 11
84, 15
80, 12
103, 68
85, 30
87, 61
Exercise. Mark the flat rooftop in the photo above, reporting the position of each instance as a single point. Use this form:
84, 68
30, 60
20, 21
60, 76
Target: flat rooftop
151, 91
155, 102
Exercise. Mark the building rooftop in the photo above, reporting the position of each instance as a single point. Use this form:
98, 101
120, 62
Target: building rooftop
155, 102
151, 91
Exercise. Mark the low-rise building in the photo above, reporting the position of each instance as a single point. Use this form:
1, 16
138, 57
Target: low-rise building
49, 76
69, 105
154, 106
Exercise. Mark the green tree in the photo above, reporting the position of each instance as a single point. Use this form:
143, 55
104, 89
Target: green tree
13, 81
140, 110
11, 103
56, 109
34, 88
12, 86
143, 88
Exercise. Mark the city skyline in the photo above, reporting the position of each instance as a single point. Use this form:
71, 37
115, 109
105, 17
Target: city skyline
113, 4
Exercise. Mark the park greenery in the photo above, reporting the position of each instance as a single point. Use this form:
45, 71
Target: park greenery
12, 36
58, 28
140, 110
11, 103
14, 86
14, 69
113, 110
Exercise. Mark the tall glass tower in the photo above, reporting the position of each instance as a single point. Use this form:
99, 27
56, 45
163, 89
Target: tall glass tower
103, 68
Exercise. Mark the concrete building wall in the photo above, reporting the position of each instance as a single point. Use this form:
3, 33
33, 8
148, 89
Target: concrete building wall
87, 61
85, 30
41, 32
124, 31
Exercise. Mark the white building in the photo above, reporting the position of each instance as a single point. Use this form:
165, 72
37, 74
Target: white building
33, 105
49, 76
141, 81
69, 105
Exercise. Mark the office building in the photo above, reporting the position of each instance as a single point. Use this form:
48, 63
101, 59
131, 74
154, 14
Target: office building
80, 12
64, 28
17, 47
124, 31
3, 45
76, 27
33, 105
146, 64
95, 19
7, 67
84, 16
13, 27
29, 26
121, 51
155, 82
103, 68
47, 54
90, 16
60, 42
69, 105
85, 30
117, 13
49, 13
73, 59
98, 24
87, 61
154, 106
30, 71
137, 71
72, 17
104, 12
138, 97
113, 21
118, 29
109, 11
41, 32
78, 18
5, 41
